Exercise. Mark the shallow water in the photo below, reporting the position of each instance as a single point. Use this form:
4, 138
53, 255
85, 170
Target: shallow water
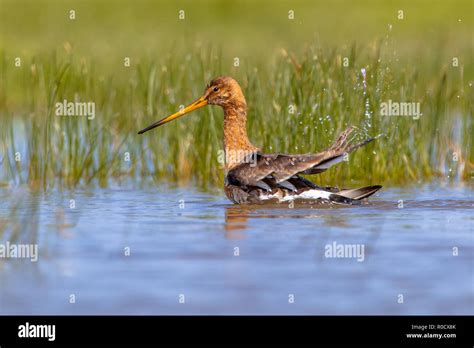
182, 242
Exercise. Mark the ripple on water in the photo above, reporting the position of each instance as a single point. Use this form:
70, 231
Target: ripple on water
238, 259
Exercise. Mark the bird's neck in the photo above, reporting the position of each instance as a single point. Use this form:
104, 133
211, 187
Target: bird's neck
236, 142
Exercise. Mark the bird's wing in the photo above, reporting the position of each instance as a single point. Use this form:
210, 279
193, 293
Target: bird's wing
281, 167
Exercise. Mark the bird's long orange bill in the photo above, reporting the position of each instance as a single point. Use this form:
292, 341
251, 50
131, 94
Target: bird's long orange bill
195, 105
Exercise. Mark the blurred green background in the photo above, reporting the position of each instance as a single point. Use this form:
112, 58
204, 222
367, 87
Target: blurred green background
252, 29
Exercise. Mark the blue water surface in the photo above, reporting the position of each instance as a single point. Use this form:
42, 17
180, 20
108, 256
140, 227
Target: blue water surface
169, 250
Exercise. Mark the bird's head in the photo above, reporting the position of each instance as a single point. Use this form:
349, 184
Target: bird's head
223, 91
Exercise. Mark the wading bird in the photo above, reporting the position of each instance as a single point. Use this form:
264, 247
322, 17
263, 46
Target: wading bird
254, 177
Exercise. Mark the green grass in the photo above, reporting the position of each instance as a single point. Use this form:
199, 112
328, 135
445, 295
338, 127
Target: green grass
402, 65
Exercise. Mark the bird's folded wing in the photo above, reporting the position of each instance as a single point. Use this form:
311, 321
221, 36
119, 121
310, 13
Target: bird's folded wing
281, 167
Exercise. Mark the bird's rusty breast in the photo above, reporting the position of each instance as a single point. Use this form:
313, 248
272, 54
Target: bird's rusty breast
236, 142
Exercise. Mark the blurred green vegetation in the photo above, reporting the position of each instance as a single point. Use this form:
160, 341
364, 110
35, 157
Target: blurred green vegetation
282, 62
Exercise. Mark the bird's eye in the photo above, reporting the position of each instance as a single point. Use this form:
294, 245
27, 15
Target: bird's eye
215, 89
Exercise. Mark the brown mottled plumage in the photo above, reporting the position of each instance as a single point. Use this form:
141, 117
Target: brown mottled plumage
254, 177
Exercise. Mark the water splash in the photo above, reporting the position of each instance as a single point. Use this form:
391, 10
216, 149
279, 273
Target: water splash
367, 124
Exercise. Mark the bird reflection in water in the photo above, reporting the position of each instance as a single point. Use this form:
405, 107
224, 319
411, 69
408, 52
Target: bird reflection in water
238, 216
